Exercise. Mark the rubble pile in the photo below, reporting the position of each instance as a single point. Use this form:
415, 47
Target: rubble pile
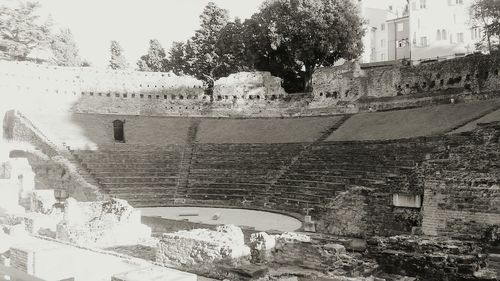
101, 224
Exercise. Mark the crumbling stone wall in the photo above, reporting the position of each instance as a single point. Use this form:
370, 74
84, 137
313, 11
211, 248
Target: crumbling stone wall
256, 85
472, 75
433, 259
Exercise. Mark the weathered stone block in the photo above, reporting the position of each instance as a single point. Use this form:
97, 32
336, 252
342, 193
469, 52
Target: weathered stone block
101, 224
202, 246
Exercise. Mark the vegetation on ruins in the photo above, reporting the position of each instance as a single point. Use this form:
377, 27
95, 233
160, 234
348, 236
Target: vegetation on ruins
117, 60
486, 15
64, 49
155, 59
22, 30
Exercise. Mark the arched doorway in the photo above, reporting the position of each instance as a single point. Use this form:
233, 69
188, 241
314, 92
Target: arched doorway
119, 134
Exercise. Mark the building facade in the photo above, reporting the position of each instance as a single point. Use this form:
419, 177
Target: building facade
417, 29
398, 34
441, 29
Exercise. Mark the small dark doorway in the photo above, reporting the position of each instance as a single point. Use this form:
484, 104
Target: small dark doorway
118, 131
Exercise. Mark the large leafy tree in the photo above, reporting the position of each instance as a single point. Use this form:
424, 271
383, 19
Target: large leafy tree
64, 49
486, 15
117, 60
22, 31
214, 51
155, 59
294, 37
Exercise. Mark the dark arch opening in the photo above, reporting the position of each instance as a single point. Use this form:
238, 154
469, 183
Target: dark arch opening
119, 133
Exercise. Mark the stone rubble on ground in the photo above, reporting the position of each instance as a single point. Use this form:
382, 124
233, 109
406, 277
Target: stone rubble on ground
202, 246
101, 224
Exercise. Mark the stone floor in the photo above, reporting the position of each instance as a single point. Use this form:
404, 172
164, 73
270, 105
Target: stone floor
259, 220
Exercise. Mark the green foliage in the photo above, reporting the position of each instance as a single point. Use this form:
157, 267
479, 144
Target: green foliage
154, 60
117, 60
486, 15
289, 38
64, 49
215, 50
21, 30
294, 37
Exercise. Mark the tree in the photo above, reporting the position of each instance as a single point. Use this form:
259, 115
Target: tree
301, 35
65, 50
486, 15
154, 60
117, 60
199, 55
21, 30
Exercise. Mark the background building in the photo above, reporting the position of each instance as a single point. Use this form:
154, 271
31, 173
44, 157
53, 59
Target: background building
398, 34
441, 28
417, 29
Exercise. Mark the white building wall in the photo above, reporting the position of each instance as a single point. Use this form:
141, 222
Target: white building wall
451, 18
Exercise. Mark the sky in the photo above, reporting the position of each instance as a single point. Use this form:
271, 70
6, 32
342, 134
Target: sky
133, 23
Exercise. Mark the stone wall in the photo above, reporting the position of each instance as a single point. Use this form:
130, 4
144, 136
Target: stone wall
433, 259
249, 85
147, 93
470, 75
345, 89
462, 192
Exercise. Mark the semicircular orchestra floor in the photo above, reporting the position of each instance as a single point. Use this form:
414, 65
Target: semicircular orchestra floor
259, 220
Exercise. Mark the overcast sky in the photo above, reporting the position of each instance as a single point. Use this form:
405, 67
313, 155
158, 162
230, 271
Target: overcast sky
134, 22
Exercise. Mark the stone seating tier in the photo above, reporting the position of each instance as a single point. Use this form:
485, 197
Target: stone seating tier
291, 176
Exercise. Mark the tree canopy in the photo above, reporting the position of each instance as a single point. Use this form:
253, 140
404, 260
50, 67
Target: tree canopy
64, 49
289, 38
486, 15
155, 59
22, 31
117, 60
215, 50
297, 36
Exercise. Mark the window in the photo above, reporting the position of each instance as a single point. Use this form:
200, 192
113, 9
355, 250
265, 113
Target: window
423, 4
423, 41
459, 2
118, 131
438, 35
382, 57
400, 27
460, 37
382, 43
443, 34
382, 27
